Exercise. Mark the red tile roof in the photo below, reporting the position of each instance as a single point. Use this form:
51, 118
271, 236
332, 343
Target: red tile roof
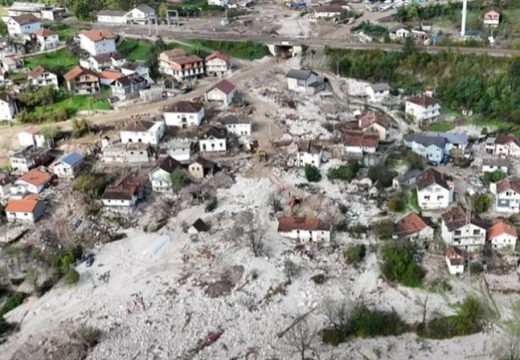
173, 53
456, 218
288, 223
36, 177
111, 74
369, 118
431, 176
37, 71
508, 184
353, 138
98, 34
501, 227
455, 256
506, 139
25, 205
25, 19
217, 55
77, 71
124, 188
225, 86
44, 32
411, 224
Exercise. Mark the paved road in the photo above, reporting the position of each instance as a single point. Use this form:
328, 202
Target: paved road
174, 33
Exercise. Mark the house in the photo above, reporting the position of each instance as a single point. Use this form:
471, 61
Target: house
223, 92
221, 3
434, 192
40, 77
11, 63
304, 229
184, 114
492, 165
127, 87
107, 77
33, 182
177, 63
217, 64
414, 227
304, 81
6, 181
502, 235
454, 260
29, 209
201, 168
423, 108
68, 166
28, 158
8, 107
124, 193
460, 230
491, 17
197, 227
160, 177
377, 92
504, 145
407, 179
130, 153
136, 67
507, 195
213, 139
432, 148
81, 81
236, 125
112, 17
372, 122
39, 10
308, 153
102, 62
143, 131
142, 14
398, 32
359, 143
180, 149
23, 25
97, 41
453, 140
46, 39
328, 11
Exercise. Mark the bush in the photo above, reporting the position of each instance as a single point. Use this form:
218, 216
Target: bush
475, 268
12, 302
91, 184
356, 230
400, 266
312, 173
495, 176
480, 203
384, 229
354, 254
179, 179
71, 276
88, 336
397, 203
319, 279
381, 175
211, 204
344, 172
332, 336
414, 161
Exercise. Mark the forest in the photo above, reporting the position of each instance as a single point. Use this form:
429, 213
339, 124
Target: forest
489, 86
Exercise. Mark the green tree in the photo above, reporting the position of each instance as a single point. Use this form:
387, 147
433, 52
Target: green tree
80, 127
354, 254
162, 10
400, 266
179, 179
71, 276
3, 29
480, 203
495, 176
381, 175
312, 173
344, 172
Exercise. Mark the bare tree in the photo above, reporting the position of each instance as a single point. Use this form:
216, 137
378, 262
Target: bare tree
336, 311
256, 241
300, 338
291, 269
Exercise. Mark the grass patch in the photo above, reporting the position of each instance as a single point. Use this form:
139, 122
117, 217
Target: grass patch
441, 126
58, 61
73, 104
64, 31
135, 50
247, 50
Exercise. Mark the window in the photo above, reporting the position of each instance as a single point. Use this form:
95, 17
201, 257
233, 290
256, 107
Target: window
440, 197
457, 233
427, 197
476, 232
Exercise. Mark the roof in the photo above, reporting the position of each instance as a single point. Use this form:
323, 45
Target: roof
36, 71
500, 162
200, 225
111, 13
452, 138
218, 55
124, 188
506, 139
508, 184
25, 19
33, 130
71, 158
410, 175
368, 118
6, 97
288, 223
139, 126
225, 86
44, 32
215, 132
426, 140
25, 205
111, 74
98, 34
206, 164
27, 6
380, 87
299, 74
130, 79
35, 177
397, 27
173, 53
353, 139
331, 8
430, 177
454, 255
230, 119
77, 71
411, 224
501, 227
423, 100
456, 218
188, 59
185, 107
146, 9
168, 164
308, 147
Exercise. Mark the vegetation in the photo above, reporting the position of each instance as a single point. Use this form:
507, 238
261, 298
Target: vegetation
370, 29
480, 202
495, 176
384, 229
71, 276
179, 179
414, 12
211, 204
59, 61
398, 202
80, 127
10, 303
87, 336
381, 175
196, 8
441, 126
38, 96
91, 184
356, 230
312, 173
354, 254
475, 268
344, 172
414, 161
247, 50
399, 265
135, 50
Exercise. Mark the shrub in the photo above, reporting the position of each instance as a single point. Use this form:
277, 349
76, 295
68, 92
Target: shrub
384, 229
414, 161
354, 254
344, 172
475, 268
400, 266
12, 302
480, 203
381, 175
211, 204
319, 279
88, 336
332, 336
495, 176
357, 229
397, 203
312, 173
71, 276
91, 184
179, 179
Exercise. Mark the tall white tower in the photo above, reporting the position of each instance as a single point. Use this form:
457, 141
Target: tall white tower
463, 24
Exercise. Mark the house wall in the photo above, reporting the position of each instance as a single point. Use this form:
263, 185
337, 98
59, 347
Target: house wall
306, 235
421, 113
48, 42
241, 129
20, 216
97, 47
359, 150
454, 269
434, 197
504, 241
492, 168
21, 165
111, 19
120, 203
217, 95
152, 137
33, 189
508, 201
378, 129
218, 2
183, 119
7, 110
378, 96
424, 234
212, 145
16, 29
63, 170
305, 158
45, 79
160, 181
26, 139
464, 237
196, 170
217, 66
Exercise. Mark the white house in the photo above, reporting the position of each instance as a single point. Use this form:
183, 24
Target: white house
213, 140
504, 145
184, 114
160, 177
223, 92
414, 227
68, 166
112, 17
40, 77
398, 32
128, 87
492, 165
454, 260
308, 154
328, 11
303, 81
423, 108
377, 92
180, 149
177, 63
201, 168
123, 194
359, 143
236, 125
29, 209
217, 64
372, 122
220, 3
507, 195
8, 107
434, 192
28, 158
501, 235
23, 25
97, 41
31, 137
143, 131
304, 229
460, 231
142, 14
6, 181
33, 182
47, 39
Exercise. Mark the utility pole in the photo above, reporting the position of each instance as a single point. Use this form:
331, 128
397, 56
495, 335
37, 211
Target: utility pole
464, 13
